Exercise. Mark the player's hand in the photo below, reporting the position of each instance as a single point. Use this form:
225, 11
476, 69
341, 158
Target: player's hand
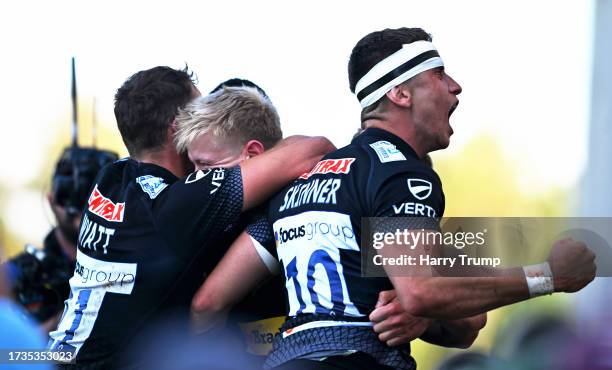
392, 324
572, 264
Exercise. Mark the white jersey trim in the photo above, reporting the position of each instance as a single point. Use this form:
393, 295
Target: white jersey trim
323, 324
266, 257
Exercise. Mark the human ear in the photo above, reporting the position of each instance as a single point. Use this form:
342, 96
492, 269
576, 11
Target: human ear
400, 95
252, 148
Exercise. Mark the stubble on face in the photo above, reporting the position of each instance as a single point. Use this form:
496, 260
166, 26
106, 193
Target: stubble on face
431, 105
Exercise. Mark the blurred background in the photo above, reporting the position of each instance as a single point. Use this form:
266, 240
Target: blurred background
531, 132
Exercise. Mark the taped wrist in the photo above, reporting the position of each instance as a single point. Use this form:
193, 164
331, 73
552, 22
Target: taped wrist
539, 279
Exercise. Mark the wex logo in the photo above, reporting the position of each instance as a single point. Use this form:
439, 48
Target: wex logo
101, 206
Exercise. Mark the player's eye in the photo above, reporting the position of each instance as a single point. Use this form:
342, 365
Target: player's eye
202, 165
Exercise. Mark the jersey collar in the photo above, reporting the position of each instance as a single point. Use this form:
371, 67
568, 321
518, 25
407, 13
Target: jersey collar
153, 169
374, 134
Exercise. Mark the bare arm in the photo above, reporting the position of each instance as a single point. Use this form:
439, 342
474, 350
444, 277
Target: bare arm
434, 294
239, 272
267, 173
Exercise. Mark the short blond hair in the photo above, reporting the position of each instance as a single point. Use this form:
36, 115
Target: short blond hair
240, 113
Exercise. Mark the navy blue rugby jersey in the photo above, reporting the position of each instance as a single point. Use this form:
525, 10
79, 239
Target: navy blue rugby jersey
316, 225
140, 232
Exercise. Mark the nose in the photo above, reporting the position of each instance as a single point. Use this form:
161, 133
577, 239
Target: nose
453, 86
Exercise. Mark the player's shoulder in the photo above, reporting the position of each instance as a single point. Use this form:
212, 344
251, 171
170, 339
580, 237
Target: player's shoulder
127, 176
357, 157
111, 176
388, 156
126, 184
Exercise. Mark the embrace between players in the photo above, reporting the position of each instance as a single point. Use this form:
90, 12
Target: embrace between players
171, 227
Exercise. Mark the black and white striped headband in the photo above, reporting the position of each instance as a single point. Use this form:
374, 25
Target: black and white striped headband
410, 60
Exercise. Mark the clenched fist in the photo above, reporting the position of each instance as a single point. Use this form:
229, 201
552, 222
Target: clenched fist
392, 324
572, 264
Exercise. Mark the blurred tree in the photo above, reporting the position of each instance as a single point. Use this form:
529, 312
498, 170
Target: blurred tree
59, 137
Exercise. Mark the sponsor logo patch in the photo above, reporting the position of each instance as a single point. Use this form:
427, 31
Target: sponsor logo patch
151, 185
421, 189
101, 206
338, 166
259, 335
113, 277
217, 177
311, 230
198, 175
307, 227
282, 236
387, 152
416, 209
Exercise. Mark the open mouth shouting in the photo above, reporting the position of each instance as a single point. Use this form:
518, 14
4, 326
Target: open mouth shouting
452, 108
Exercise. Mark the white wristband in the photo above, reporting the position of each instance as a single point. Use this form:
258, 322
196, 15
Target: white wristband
539, 279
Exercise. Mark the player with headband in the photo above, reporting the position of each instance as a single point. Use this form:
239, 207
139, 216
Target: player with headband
337, 317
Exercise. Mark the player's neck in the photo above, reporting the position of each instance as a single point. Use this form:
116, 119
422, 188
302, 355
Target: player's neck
167, 158
402, 130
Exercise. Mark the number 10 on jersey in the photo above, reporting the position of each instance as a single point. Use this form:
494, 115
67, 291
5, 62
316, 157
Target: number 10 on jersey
310, 252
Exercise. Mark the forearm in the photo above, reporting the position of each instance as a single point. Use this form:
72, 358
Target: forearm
236, 275
209, 308
459, 297
459, 333
451, 291
209, 299
265, 174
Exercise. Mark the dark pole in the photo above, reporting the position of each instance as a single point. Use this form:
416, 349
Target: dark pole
74, 107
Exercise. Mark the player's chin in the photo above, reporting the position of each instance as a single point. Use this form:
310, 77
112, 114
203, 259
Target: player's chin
444, 140
440, 144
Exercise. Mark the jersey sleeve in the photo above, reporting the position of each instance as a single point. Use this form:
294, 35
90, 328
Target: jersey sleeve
201, 205
262, 236
415, 196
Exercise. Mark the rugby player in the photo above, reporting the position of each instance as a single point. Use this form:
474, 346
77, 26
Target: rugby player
407, 99
144, 221
235, 122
